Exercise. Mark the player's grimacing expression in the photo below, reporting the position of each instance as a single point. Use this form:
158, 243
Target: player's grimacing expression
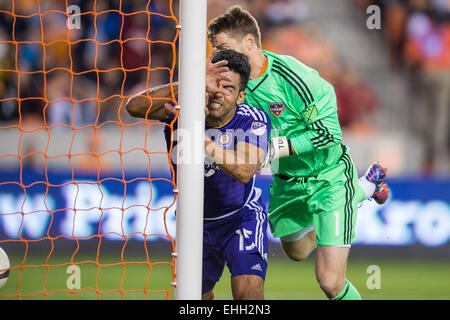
221, 107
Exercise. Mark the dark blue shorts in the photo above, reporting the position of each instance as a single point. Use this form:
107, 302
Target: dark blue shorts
239, 241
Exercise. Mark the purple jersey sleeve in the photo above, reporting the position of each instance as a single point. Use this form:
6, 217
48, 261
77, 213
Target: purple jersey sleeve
255, 126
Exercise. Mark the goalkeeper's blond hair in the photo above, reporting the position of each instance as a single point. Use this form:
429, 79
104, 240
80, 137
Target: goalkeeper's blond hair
236, 22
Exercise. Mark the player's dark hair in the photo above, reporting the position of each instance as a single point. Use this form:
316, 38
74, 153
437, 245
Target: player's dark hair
235, 21
237, 62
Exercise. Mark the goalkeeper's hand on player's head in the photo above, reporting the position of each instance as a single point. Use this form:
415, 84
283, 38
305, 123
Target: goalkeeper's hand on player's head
216, 72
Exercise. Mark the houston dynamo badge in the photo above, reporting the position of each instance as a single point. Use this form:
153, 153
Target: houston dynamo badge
277, 108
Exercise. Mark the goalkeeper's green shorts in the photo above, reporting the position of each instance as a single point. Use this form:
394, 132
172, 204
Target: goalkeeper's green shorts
328, 201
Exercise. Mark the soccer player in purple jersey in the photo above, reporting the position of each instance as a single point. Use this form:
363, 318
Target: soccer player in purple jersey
236, 142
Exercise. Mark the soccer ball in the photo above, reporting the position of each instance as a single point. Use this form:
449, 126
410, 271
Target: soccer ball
4, 267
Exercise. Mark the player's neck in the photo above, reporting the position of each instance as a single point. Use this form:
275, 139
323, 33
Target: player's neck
257, 64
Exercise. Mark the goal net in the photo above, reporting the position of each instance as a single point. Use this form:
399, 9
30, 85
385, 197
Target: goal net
86, 191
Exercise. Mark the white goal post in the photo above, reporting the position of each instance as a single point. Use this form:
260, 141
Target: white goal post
190, 176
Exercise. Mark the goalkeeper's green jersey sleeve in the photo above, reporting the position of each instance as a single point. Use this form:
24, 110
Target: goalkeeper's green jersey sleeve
302, 106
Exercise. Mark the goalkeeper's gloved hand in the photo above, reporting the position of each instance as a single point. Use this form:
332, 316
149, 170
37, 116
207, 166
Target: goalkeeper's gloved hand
279, 147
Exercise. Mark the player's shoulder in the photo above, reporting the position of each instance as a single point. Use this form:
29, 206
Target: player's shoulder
249, 113
254, 120
288, 64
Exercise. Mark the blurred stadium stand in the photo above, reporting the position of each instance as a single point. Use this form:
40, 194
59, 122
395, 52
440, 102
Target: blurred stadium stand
383, 82
392, 87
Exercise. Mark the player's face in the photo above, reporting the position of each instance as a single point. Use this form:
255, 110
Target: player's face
221, 107
225, 41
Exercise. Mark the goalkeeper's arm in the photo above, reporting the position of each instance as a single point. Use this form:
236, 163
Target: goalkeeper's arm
323, 133
279, 147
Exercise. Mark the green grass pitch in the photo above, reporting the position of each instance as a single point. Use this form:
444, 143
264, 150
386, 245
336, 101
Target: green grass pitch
287, 280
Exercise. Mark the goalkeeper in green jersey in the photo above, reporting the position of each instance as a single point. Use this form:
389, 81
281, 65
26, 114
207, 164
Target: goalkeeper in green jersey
315, 190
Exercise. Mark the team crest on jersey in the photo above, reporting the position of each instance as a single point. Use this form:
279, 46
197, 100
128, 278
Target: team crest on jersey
224, 139
277, 108
258, 128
